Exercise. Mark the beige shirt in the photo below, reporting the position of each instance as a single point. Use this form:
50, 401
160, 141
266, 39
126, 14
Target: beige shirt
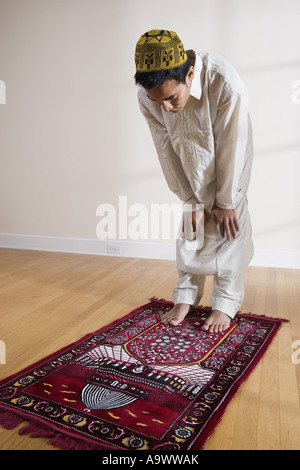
205, 151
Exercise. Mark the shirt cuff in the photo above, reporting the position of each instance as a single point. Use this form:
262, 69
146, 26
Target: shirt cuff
225, 206
192, 204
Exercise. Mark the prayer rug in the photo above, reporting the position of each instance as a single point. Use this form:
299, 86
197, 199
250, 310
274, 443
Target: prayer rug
137, 384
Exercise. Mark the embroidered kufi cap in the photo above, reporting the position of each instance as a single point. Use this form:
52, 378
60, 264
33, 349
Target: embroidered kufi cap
159, 49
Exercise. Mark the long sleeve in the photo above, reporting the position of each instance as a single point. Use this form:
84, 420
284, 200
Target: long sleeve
170, 162
231, 138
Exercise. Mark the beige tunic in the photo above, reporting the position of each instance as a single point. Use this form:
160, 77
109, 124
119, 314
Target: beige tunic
206, 154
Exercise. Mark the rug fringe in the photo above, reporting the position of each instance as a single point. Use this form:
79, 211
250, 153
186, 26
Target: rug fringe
161, 301
68, 443
9, 420
263, 317
36, 430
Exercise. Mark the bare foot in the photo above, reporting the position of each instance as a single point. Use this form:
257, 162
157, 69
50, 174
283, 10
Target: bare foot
176, 315
216, 322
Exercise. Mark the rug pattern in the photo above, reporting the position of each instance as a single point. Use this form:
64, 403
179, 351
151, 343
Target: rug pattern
137, 384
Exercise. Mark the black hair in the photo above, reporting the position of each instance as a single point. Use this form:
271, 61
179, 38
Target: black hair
150, 80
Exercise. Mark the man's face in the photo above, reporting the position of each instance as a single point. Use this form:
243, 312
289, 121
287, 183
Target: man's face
171, 96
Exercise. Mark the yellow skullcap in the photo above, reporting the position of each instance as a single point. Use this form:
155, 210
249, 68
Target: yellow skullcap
159, 49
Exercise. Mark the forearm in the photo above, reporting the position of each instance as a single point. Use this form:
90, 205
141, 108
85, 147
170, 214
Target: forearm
170, 162
231, 138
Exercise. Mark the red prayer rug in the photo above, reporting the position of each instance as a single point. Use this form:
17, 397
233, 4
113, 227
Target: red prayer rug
137, 384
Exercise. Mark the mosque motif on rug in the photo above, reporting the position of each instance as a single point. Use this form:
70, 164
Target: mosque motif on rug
137, 384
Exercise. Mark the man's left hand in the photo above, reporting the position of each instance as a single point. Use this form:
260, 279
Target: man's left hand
227, 220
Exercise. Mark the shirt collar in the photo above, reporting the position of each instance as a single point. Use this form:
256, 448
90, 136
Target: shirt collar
196, 90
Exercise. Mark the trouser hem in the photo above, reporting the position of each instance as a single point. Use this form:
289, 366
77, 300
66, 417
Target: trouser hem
224, 305
185, 298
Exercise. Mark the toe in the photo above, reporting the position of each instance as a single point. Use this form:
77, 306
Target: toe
165, 320
206, 326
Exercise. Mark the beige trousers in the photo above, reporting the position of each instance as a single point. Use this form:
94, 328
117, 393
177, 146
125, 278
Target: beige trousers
227, 294
224, 260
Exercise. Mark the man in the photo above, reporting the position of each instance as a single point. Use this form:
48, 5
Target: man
196, 107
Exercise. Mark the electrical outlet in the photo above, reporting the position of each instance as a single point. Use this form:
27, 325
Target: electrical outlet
114, 249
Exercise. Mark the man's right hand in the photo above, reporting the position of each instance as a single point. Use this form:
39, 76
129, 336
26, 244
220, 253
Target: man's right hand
191, 222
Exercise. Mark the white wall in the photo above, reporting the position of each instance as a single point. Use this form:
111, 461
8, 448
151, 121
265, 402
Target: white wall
71, 134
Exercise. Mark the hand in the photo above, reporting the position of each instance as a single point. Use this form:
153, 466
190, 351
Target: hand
228, 223
191, 222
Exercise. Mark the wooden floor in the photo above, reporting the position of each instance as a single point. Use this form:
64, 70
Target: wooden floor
49, 300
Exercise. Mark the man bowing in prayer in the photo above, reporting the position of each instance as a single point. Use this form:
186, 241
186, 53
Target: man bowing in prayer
196, 107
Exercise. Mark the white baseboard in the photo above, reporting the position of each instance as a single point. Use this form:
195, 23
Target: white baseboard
89, 246
131, 248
